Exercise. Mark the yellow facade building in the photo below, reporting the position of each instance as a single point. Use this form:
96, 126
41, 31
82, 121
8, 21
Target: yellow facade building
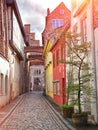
48, 69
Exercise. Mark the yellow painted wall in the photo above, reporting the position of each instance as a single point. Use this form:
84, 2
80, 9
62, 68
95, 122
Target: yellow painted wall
48, 69
16, 78
49, 79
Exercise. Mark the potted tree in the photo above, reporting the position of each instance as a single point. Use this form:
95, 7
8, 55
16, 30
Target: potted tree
79, 61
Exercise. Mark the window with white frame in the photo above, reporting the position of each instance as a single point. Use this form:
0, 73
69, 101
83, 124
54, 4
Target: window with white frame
1, 83
18, 38
62, 52
75, 28
34, 72
54, 86
39, 72
6, 84
58, 88
57, 23
57, 57
54, 60
84, 28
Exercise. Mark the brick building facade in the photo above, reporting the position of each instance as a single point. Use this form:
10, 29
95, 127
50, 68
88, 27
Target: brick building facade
11, 52
56, 22
4, 63
34, 61
3, 30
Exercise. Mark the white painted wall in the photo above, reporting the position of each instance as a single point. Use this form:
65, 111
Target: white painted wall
4, 70
33, 75
17, 35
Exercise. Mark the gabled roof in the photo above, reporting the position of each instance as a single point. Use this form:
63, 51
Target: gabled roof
55, 14
61, 5
62, 30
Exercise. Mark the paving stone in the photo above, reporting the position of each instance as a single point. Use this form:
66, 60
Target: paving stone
33, 113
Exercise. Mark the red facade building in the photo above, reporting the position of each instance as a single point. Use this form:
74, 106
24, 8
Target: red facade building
59, 17
58, 50
59, 71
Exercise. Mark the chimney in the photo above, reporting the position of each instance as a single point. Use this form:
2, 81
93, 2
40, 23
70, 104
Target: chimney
48, 11
27, 28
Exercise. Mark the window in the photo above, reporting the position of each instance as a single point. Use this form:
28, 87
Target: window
84, 29
57, 57
34, 72
75, 28
6, 84
39, 71
36, 53
56, 88
57, 23
53, 60
61, 11
62, 53
1, 83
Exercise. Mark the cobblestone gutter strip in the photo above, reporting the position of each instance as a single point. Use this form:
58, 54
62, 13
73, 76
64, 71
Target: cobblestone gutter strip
12, 108
67, 124
55, 117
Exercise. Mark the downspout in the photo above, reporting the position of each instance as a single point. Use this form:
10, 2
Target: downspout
94, 56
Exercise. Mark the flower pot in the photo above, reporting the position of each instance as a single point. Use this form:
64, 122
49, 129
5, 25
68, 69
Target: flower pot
67, 112
79, 119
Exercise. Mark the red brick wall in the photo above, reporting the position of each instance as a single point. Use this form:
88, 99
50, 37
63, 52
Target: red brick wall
30, 36
3, 30
27, 28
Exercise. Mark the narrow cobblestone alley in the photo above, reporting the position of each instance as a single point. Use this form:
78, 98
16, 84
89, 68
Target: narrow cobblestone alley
33, 113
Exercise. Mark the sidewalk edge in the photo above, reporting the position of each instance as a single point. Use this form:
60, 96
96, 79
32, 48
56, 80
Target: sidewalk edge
70, 127
12, 109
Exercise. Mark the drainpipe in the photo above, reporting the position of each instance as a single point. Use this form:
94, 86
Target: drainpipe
94, 57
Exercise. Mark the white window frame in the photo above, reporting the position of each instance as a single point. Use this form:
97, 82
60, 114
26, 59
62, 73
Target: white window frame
57, 23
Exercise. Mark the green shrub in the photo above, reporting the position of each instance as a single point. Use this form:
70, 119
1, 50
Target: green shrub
64, 106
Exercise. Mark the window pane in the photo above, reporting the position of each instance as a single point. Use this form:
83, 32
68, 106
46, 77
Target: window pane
58, 88
1, 83
6, 84
57, 23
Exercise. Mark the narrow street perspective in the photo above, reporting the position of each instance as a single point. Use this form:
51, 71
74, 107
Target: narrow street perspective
48, 64
33, 113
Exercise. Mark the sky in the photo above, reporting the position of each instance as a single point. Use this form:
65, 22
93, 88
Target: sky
34, 12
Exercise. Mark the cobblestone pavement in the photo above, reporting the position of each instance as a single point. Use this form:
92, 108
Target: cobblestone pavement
33, 113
